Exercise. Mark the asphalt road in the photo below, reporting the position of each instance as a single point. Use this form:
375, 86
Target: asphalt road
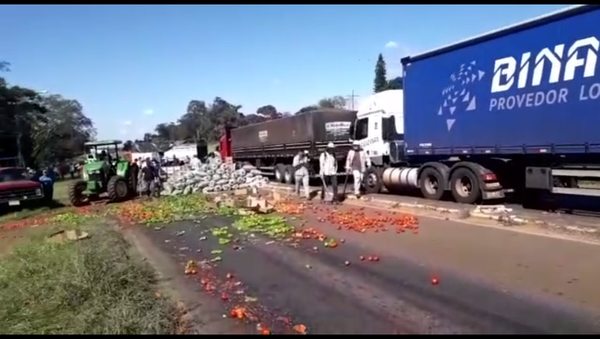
489, 281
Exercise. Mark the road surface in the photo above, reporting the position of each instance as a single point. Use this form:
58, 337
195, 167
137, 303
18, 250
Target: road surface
488, 280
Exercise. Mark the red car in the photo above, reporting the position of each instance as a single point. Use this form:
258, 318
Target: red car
16, 188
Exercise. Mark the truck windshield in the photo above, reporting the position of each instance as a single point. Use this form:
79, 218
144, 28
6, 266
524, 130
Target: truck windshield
362, 129
12, 174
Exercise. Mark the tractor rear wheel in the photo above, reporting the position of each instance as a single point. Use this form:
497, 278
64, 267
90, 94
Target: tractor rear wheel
117, 188
76, 196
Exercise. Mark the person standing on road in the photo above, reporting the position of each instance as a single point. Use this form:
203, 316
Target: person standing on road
148, 176
300, 164
357, 163
157, 178
47, 186
328, 170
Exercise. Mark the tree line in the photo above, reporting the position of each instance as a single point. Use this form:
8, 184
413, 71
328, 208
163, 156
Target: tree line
40, 130
204, 123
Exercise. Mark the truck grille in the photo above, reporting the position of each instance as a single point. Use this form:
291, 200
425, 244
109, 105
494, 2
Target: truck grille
19, 194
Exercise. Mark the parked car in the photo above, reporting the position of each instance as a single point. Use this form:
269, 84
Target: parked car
17, 187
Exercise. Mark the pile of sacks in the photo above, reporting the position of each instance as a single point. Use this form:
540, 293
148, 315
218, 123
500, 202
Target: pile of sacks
210, 178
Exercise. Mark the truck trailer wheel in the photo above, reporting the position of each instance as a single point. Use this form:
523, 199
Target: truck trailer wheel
431, 183
465, 186
280, 173
372, 181
288, 174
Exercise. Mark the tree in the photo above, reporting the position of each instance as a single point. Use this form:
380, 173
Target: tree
20, 111
269, 112
63, 133
380, 83
194, 124
396, 83
307, 109
201, 123
222, 114
333, 102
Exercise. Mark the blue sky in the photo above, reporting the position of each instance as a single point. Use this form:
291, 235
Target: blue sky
132, 67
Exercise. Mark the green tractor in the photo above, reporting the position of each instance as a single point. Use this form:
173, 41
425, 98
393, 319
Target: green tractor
103, 173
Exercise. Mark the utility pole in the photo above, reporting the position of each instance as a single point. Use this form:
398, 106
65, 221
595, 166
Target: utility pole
351, 97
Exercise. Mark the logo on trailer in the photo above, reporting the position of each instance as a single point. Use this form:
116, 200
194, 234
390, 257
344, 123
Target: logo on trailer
515, 79
458, 96
263, 135
555, 66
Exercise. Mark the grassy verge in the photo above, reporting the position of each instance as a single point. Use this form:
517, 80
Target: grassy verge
91, 286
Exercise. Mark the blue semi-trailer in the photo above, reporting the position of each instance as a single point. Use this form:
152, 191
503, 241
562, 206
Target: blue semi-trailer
517, 109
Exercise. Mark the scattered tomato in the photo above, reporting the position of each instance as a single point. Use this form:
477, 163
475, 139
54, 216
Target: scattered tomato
300, 328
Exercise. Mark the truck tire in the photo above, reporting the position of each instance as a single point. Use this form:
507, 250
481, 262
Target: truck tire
280, 173
76, 196
288, 174
117, 188
465, 186
431, 183
372, 181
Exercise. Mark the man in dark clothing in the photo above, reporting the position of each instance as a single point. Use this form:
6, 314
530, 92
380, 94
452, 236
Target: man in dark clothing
135, 172
148, 176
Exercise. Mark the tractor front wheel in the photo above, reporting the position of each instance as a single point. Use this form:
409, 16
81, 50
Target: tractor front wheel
76, 195
117, 189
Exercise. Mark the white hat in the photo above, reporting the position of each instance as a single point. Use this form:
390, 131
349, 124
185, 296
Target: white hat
330, 145
305, 151
355, 142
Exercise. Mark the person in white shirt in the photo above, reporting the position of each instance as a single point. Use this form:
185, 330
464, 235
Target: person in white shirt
357, 163
328, 170
301, 174
195, 162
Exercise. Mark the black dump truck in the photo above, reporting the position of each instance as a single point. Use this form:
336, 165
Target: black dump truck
272, 145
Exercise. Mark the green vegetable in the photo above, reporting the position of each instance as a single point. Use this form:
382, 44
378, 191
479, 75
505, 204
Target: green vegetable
274, 227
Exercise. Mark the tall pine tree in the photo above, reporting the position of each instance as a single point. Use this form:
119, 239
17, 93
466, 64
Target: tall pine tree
380, 83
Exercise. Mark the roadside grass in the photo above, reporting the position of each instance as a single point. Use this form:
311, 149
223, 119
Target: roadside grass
90, 286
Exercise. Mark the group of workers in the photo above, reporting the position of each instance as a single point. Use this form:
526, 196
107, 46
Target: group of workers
357, 163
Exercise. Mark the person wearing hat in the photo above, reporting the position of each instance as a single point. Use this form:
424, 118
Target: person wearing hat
328, 170
300, 164
357, 163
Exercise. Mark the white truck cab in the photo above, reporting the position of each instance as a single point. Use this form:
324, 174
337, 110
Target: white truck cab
379, 121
